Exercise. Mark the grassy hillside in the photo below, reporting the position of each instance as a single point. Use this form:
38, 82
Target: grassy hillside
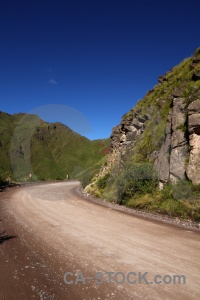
129, 178
46, 150
86, 175
159, 101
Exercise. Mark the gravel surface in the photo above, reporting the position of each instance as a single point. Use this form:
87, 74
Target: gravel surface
51, 229
140, 213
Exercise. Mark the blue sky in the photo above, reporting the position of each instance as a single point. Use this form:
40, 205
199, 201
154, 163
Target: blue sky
92, 59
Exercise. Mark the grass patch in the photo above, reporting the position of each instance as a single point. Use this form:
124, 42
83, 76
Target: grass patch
184, 209
181, 200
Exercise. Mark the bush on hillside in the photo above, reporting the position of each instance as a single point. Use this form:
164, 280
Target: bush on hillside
134, 180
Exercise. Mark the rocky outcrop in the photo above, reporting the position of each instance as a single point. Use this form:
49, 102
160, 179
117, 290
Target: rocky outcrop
128, 131
162, 79
170, 163
179, 147
123, 137
177, 92
196, 75
170, 112
181, 142
162, 163
193, 169
195, 66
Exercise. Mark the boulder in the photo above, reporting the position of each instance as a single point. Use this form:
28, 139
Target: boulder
130, 128
194, 107
137, 125
194, 117
177, 92
131, 136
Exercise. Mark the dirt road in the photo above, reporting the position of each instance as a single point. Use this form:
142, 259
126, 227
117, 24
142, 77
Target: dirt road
56, 232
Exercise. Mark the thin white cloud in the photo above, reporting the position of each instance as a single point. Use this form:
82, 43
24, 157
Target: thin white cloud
52, 82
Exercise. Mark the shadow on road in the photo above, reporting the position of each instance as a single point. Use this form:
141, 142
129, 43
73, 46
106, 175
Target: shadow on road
4, 237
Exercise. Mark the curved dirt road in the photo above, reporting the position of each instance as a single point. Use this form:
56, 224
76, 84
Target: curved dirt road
57, 232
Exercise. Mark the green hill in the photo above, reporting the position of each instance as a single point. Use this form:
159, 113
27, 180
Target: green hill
47, 151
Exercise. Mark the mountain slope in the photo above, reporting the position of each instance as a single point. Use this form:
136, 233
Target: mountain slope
28, 145
156, 144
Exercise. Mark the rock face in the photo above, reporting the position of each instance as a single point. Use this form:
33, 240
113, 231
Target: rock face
128, 131
181, 142
177, 157
162, 163
170, 163
179, 147
193, 169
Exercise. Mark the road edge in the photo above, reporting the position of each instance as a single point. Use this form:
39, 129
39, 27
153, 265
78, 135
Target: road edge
187, 225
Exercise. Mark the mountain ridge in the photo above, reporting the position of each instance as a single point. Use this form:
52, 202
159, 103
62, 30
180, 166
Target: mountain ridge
29, 145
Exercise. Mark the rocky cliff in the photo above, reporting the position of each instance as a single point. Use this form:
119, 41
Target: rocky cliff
164, 127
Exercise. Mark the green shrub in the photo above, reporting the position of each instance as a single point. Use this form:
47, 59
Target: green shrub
166, 192
101, 183
133, 180
140, 179
181, 190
